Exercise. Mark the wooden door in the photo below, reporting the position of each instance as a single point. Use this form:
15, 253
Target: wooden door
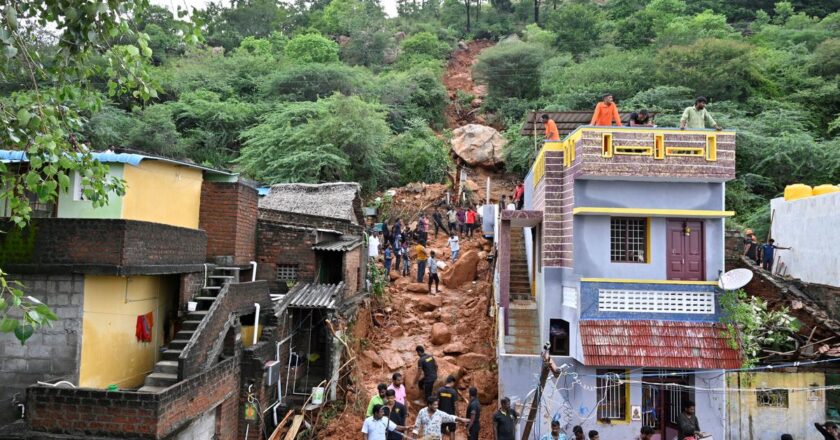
686, 256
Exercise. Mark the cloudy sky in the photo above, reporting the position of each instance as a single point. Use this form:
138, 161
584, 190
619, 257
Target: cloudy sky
390, 5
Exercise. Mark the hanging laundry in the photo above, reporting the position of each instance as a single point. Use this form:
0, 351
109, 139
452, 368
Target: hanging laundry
145, 324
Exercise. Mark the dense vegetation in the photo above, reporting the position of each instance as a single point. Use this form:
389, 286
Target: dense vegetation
334, 89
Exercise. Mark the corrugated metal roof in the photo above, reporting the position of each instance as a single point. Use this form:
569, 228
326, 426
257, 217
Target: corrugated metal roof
315, 296
342, 244
665, 344
132, 159
566, 122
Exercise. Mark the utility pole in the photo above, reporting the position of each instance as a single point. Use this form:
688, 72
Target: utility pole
548, 366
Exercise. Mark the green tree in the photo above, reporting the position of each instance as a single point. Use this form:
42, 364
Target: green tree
312, 48
42, 119
578, 27
511, 70
336, 138
409, 96
308, 82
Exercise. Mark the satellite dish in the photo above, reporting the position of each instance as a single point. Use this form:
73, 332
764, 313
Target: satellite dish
735, 279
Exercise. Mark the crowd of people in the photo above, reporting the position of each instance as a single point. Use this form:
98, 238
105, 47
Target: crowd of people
606, 114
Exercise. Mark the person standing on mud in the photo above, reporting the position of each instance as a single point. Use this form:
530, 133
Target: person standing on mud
470, 221
504, 421
433, 273
422, 257
406, 267
461, 215
452, 217
396, 412
454, 245
474, 414
426, 366
438, 219
447, 400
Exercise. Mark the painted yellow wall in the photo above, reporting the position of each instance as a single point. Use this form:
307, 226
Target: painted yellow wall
749, 421
111, 354
162, 192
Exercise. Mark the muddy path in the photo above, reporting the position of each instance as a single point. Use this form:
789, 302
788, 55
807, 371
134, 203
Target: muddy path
464, 106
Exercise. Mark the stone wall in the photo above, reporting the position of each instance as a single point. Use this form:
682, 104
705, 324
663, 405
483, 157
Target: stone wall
51, 352
229, 217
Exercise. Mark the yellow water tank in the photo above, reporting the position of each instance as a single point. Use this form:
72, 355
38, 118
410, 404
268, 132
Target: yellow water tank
798, 191
825, 189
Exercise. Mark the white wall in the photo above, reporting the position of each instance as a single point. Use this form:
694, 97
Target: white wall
810, 226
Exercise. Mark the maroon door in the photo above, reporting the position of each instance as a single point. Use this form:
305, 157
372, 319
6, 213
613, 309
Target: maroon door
685, 250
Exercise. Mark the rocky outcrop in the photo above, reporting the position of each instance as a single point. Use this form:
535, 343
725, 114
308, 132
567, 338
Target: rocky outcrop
479, 145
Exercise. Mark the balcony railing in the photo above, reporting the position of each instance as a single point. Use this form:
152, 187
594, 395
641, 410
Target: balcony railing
600, 145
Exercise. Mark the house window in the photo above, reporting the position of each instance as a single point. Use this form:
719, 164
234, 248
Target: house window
629, 240
613, 390
772, 398
559, 334
287, 272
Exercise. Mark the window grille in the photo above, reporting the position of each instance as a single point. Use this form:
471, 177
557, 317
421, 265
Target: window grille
772, 398
675, 400
628, 240
655, 301
612, 394
287, 272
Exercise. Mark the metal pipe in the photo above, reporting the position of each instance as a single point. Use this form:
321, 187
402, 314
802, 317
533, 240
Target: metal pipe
256, 323
253, 271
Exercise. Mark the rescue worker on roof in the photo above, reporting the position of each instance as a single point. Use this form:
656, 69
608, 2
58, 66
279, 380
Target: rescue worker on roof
606, 112
697, 116
551, 133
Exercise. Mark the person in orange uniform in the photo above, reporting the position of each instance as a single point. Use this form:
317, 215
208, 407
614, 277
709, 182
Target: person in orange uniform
551, 133
606, 112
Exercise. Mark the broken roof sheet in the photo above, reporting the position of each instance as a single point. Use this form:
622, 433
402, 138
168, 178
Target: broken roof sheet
338, 200
342, 244
566, 122
664, 344
315, 295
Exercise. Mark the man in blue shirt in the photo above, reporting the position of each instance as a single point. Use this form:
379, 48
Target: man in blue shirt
767, 251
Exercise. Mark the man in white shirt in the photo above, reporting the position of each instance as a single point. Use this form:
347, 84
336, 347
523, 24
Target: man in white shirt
376, 425
430, 418
454, 244
373, 245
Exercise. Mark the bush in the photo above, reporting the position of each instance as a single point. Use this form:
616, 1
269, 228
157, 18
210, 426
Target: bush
417, 155
511, 70
308, 82
311, 48
109, 128
424, 44
578, 27
156, 133
412, 95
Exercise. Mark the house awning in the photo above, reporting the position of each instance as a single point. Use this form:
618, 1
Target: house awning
315, 296
662, 344
342, 244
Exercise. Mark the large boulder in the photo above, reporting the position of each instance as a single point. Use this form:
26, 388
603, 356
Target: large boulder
375, 359
462, 271
417, 288
428, 303
440, 334
392, 359
479, 145
456, 348
473, 361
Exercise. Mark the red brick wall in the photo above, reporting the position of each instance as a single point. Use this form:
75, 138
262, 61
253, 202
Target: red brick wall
87, 412
284, 244
100, 242
190, 285
229, 216
557, 214
227, 419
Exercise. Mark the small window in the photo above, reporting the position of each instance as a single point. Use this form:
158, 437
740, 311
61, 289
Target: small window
287, 272
612, 393
78, 194
772, 398
559, 337
629, 240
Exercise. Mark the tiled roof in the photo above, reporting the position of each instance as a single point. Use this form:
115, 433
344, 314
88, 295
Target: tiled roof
566, 122
664, 344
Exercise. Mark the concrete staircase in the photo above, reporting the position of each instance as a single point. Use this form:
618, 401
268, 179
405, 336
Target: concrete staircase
523, 335
165, 373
